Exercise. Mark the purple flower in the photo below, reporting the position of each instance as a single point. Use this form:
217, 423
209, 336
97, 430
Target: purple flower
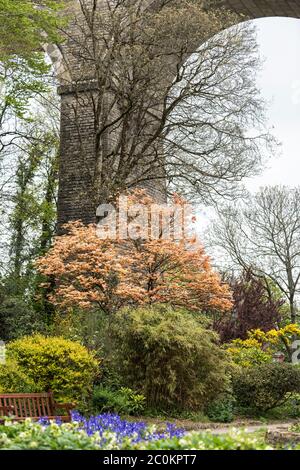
123, 428
135, 430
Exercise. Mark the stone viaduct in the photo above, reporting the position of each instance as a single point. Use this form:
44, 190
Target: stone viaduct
76, 81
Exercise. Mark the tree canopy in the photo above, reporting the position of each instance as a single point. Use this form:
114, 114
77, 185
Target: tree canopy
25, 25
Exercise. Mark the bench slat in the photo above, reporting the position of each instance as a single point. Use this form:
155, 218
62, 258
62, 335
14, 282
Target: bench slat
34, 407
39, 407
44, 413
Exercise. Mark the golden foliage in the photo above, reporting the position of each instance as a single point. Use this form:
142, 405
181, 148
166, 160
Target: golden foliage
89, 271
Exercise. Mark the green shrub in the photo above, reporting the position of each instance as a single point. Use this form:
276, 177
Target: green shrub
266, 386
167, 355
293, 406
221, 410
17, 319
122, 401
14, 380
289, 409
295, 427
65, 367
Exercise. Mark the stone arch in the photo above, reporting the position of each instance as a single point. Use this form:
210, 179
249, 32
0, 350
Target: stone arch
57, 59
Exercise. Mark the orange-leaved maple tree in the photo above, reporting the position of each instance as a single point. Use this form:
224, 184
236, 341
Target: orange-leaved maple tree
89, 271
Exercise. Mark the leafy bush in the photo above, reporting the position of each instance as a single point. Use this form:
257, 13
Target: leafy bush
289, 409
293, 406
249, 356
221, 410
266, 386
167, 355
65, 367
260, 346
123, 401
14, 380
295, 427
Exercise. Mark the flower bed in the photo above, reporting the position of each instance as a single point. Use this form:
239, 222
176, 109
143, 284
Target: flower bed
110, 432
105, 431
134, 431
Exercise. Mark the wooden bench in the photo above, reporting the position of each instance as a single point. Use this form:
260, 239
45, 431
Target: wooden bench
33, 405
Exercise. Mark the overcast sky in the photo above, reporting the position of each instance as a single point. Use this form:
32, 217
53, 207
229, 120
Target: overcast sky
279, 40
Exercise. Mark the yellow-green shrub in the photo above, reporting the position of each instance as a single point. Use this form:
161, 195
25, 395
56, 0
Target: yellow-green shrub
249, 356
65, 367
260, 346
14, 380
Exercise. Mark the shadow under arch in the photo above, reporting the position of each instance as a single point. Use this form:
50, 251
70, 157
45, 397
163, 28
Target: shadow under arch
251, 9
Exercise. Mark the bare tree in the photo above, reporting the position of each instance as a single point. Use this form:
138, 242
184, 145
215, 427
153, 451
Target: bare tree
171, 99
264, 234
